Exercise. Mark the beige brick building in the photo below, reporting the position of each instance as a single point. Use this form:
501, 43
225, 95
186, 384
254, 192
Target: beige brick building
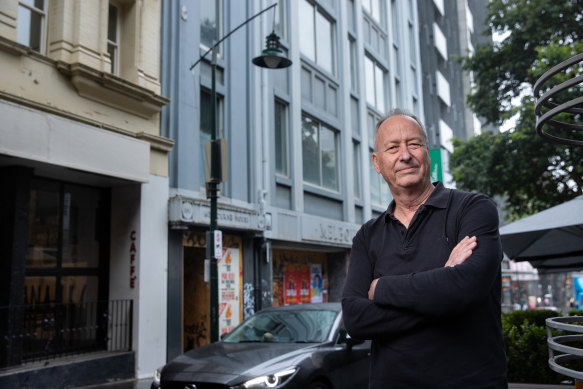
84, 174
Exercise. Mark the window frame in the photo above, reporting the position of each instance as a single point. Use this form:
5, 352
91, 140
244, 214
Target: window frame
318, 11
114, 45
42, 35
284, 139
219, 15
321, 182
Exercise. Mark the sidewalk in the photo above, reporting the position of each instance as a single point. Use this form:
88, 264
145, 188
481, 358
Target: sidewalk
145, 384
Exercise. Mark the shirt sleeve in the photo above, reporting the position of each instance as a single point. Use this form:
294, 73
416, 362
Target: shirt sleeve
363, 318
448, 290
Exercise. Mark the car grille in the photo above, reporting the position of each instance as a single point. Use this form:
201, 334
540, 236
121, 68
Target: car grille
199, 385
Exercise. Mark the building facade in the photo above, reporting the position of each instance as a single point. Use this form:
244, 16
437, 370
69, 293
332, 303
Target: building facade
449, 30
84, 172
300, 179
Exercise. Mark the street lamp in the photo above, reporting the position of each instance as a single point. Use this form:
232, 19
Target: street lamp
271, 58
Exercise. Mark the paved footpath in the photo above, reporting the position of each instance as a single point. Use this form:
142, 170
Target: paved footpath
145, 384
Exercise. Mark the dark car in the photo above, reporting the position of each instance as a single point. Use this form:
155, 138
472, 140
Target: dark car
298, 346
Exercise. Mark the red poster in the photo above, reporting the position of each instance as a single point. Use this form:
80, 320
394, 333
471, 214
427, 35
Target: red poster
296, 284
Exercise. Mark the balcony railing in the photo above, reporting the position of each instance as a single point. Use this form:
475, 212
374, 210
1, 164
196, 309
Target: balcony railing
42, 332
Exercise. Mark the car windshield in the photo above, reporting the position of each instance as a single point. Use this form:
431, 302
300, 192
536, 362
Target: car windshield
296, 326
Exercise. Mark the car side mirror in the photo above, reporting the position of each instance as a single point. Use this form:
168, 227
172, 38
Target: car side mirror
350, 342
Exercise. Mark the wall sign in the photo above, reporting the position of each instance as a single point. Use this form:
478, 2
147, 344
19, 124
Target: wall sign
133, 252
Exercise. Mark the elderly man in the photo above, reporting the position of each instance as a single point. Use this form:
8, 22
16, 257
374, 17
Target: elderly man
424, 278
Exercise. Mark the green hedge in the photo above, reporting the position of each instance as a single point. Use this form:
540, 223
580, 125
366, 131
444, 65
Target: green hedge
525, 336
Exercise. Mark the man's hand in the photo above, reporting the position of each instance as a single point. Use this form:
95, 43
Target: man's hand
462, 251
373, 285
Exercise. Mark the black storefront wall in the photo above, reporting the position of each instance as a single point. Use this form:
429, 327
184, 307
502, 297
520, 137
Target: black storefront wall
59, 340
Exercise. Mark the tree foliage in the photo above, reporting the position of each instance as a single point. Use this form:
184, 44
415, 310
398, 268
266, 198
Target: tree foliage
531, 173
503, 69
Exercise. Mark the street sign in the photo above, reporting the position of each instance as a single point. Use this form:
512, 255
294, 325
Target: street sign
218, 238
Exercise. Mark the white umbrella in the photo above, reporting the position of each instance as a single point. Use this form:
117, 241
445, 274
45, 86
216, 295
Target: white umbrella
551, 240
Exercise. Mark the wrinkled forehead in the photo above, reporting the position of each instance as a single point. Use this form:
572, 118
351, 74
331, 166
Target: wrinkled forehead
400, 128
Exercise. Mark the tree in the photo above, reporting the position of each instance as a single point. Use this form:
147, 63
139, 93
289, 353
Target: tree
504, 69
529, 172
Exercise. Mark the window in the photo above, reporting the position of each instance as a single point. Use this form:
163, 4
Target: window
281, 139
280, 25
379, 189
65, 245
113, 38
374, 9
375, 84
350, 15
210, 26
31, 24
353, 68
317, 37
356, 169
319, 154
205, 128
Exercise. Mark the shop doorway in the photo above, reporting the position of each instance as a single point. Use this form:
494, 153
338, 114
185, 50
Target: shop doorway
196, 288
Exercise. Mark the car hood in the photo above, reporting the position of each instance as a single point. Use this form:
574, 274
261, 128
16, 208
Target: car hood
231, 363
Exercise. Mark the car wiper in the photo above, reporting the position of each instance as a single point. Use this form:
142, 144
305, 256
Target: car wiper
307, 341
250, 341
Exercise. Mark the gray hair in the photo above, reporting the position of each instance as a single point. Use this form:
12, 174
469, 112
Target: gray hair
400, 112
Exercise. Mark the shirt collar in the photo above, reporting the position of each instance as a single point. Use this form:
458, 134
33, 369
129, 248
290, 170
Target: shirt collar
438, 199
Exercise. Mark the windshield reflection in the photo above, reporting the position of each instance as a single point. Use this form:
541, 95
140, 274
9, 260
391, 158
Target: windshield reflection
301, 326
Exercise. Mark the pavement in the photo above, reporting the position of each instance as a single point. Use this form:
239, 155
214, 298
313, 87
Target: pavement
145, 384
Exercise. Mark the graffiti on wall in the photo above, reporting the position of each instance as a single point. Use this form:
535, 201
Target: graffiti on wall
248, 300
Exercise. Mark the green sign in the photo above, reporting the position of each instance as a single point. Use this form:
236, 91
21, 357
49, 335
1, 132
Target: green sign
436, 168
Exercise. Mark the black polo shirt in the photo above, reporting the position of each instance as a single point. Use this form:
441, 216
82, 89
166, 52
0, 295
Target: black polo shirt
432, 326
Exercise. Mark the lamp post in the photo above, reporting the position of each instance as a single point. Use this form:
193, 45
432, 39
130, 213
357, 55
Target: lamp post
272, 58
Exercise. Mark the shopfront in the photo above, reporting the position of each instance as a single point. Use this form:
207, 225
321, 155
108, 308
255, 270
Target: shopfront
196, 289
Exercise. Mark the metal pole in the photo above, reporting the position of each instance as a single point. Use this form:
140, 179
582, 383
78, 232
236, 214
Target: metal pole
212, 193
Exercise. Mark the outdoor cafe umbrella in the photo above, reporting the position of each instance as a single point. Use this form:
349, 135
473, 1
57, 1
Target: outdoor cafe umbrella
551, 240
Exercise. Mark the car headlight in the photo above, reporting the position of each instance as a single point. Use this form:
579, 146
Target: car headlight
269, 381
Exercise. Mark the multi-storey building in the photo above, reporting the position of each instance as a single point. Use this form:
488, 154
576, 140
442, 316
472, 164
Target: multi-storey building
299, 142
449, 30
84, 174
105, 178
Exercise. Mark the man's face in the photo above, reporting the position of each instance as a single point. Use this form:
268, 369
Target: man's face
401, 155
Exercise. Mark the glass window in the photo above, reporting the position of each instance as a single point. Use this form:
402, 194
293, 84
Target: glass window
369, 80
319, 154
356, 169
31, 24
395, 21
307, 32
281, 139
279, 24
329, 161
64, 242
43, 221
353, 66
350, 15
412, 43
113, 38
317, 36
205, 128
379, 191
374, 9
375, 84
210, 26
324, 43
354, 116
